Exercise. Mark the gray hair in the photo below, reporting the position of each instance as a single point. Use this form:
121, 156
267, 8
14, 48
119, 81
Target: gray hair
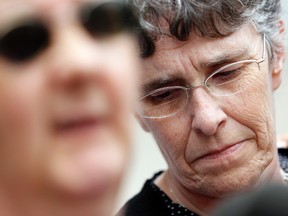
206, 18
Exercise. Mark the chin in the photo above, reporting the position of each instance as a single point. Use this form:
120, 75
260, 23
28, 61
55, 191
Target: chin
88, 177
229, 185
87, 187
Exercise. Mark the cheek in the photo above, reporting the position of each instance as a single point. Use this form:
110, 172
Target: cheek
171, 135
121, 83
122, 68
253, 108
19, 115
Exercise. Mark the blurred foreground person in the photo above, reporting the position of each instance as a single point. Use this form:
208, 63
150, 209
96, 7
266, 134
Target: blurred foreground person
268, 201
206, 95
66, 91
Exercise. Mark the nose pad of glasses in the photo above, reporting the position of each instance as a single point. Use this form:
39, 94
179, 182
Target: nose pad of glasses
24, 42
108, 18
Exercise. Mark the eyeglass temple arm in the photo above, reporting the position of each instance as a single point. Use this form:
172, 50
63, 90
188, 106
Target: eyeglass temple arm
264, 50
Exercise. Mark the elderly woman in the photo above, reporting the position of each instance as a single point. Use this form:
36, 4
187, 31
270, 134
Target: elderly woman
210, 70
66, 91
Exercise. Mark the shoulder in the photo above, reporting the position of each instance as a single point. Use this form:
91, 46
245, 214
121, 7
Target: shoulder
145, 203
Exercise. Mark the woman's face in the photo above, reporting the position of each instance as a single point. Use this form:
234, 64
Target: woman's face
215, 145
65, 111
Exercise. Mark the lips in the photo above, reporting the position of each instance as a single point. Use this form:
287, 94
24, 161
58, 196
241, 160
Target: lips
221, 152
72, 124
88, 110
78, 123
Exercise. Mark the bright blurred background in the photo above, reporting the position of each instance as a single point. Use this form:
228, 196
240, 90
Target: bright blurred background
147, 159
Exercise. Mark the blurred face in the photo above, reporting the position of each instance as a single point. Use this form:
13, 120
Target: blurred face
215, 144
64, 108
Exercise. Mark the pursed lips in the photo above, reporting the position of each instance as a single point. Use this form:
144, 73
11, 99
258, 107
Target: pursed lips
220, 152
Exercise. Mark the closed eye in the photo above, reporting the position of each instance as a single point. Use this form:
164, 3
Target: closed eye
229, 73
163, 96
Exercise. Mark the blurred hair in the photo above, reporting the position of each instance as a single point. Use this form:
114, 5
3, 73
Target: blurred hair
206, 18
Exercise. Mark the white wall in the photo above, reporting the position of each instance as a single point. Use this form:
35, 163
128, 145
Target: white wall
146, 160
146, 156
281, 96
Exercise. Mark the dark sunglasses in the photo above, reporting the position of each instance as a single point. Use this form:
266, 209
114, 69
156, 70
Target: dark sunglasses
25, 41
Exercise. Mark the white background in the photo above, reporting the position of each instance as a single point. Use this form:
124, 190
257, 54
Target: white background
146, 158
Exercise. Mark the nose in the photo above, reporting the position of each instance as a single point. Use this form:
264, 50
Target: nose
74, 58
207, 115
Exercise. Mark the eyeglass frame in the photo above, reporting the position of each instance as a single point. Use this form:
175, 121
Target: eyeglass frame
204, 83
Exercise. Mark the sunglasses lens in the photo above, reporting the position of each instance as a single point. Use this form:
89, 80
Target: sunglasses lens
109, 18
24, 42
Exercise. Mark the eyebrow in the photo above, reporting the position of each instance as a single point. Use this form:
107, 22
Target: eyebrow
170, 80
178, 80
225, 58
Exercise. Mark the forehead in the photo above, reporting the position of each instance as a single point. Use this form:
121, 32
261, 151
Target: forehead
46, 4
187, 58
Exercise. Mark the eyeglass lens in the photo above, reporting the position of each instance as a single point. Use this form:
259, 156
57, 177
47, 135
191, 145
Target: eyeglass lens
108, 18
24, 41
164, 102
232, 79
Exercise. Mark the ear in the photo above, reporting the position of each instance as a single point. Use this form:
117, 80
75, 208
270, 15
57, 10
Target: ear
142, 123
279, 59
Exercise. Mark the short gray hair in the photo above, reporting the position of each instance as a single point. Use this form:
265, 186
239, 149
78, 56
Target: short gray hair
206, 18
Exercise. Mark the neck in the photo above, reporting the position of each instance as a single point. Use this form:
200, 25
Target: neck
22, 202
196, 202
178, 194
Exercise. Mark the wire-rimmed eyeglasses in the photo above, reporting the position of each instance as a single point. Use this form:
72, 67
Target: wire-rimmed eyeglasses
228, 80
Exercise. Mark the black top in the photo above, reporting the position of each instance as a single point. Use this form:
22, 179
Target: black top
283, 158
151, 201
